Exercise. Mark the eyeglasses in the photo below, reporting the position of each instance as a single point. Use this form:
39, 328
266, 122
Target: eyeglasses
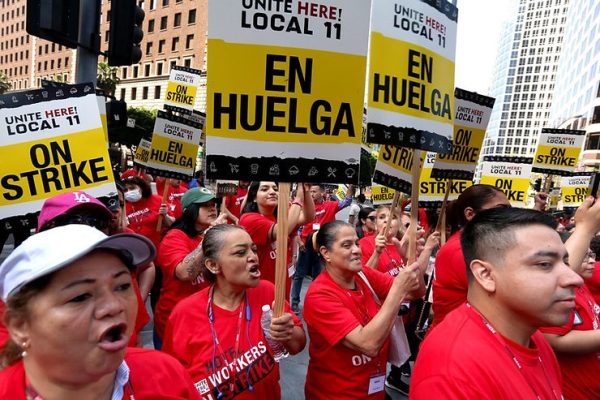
590, 254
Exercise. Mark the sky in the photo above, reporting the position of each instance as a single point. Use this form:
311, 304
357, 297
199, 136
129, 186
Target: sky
479, 25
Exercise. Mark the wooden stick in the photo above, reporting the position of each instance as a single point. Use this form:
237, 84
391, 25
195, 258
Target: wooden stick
414, 207
395, 204
282, 242
547, 184
164, 201
441, 224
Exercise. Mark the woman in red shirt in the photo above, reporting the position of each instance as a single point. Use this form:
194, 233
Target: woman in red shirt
366, 222
259, 217
348, 329
180, 254
143, 209
216, 333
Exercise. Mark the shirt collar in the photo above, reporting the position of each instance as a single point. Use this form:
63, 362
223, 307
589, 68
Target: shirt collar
121, 379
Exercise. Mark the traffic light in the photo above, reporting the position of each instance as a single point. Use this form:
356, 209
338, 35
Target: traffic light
125, 33
54, 20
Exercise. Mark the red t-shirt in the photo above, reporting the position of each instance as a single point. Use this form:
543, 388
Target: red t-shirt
258, 226
234, 203
175, 246
153, 375
580, 371
174, 194
450, 284
332, 312
593, 284
463, 359
189, 339
142, 217
390, 261
4, 335
324, 212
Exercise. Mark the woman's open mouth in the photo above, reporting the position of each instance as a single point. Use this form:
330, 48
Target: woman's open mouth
254, 271
114, 338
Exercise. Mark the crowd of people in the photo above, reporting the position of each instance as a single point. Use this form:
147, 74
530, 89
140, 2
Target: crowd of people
515, 296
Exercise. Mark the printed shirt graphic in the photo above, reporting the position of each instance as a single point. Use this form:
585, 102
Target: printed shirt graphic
189, 339
390, 261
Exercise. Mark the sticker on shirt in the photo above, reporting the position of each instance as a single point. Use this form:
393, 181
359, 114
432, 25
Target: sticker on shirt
376, 383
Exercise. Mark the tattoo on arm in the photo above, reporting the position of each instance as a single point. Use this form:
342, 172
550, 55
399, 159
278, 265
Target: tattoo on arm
192, 263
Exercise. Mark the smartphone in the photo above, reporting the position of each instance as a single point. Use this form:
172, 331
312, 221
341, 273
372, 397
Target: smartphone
593, 187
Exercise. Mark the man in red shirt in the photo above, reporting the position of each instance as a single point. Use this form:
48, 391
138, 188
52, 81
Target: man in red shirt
308, 257
232, 205
490, 347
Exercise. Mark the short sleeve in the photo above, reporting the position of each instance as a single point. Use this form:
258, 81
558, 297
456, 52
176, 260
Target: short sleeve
173, 249
257, 227
367, 249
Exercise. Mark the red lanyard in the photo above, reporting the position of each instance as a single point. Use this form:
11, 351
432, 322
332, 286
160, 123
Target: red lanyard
217, 343
514, 358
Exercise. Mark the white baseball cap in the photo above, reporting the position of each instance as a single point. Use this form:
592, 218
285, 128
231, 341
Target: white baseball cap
51, 250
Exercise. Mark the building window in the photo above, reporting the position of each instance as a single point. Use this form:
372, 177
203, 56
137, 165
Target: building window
151, 26
177, 20
188, 41
145, 93
159, 67
173, 64
187, 62
163, 23
153, 4
124, 72
174, 44
148, 48
147, 70
192, 17
136, 70
122, 93
161, 46
133, 93
165, 3
157, 92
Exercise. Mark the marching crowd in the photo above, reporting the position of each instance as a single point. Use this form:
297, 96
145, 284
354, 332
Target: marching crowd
515, 297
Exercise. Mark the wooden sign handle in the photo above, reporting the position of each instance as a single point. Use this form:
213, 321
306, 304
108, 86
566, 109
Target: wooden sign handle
414, 207
282, 242
441, 224
164, 201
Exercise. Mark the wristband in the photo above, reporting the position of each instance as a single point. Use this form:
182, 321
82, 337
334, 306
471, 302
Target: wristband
296, 202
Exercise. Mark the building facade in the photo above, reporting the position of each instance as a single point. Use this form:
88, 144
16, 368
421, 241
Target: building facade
525, 77
175, 33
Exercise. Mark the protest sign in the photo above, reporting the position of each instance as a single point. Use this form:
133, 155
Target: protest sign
574, 189
432, 190
381, 195
181, 89
51, 142
558, 151
509, 174
174, 147
286, 89
142, 153
471, 116
394, 167
102, 109
410, 97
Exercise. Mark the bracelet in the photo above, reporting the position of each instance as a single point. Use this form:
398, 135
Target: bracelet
296, 202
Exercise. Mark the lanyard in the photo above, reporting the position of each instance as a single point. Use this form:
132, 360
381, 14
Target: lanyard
32, 394
361, 307
217, 343
514, 358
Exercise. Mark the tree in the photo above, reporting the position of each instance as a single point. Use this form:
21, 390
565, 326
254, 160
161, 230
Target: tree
144, 124
5, 85
107, 78
367, 168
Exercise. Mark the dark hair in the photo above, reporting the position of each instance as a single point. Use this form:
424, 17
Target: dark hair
212, 246
363, 213
491, 232
595, 246
328, 233
187, 221
251, 205
320, 185
474, 197
360, 198
143, 185
17, 307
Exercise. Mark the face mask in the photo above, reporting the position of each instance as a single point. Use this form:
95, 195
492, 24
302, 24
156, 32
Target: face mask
133, 196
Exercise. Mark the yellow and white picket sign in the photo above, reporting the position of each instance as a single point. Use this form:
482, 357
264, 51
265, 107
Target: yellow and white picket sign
51, 142
411, 94
286, 90
509, 174
394, 167
471, 116
174, 147
558, 151
382, 195
574, 190
181, 89
142, 153
432, 190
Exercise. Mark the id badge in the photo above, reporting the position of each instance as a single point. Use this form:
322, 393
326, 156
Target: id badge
291, 270
316, 227
376, 383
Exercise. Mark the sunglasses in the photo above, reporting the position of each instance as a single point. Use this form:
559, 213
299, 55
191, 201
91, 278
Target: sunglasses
372, 218
90, 220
